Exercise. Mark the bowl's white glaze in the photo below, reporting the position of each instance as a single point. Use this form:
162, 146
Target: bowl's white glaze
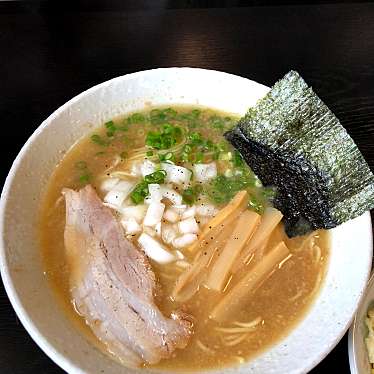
21, 269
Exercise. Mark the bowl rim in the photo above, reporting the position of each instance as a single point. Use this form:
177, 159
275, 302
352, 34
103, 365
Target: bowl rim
58, 358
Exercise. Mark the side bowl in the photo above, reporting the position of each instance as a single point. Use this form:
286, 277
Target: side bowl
20, 261
358, 356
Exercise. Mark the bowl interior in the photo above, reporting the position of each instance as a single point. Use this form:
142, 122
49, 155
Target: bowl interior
21, 267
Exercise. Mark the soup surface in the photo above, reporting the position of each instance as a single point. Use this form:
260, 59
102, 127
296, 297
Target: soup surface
193, 139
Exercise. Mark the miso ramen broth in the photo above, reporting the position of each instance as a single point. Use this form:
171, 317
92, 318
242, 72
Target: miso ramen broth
143, 151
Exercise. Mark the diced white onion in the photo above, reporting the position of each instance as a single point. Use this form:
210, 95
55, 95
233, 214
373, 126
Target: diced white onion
225, 156
168, 233
147, 167
179, 255
135, 169
190, 212
155, 192
171, 215
176, 174
124, 186
188, 226
108, 183
158, 229
114, 207
119, 192
180, 208
154, 214
206, 210
172, 195
205, 172
150, 231
229, 173
115, 198
131, 226
184, 240
155, 250
137, 212
182, 264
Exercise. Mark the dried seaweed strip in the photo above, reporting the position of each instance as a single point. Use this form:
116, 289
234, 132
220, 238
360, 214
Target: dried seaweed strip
291, 140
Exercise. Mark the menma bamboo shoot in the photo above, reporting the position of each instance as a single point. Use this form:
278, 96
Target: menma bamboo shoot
189, 281
241, 293
224, 217
242, 232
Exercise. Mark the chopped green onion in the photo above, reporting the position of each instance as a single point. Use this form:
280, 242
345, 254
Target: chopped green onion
158, 116
190, 117
199, 158
139, 192
111, 128
208, 145
136, 118
225, 156
85, 178
223, 188
123, 127
218, 149
222, 147
168, 128
167, 157
255, 204
156, 177
184, 157
195, 138
99, 140
81, 165
170, 113
110, 125
164, 139
195, 113
149, 153
101, 153
123, 155
237, 159
187, 148
190, 194
215, 155
217, 122
268, 192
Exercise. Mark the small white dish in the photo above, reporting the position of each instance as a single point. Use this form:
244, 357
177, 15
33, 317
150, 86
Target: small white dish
358, 356
20, 261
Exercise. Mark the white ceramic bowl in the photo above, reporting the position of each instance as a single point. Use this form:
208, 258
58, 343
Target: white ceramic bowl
21, 269
358, 357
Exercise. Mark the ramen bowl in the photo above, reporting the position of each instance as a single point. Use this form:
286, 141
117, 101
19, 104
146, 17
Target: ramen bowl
28, 289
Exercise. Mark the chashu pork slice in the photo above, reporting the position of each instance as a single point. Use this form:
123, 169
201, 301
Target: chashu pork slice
112, 285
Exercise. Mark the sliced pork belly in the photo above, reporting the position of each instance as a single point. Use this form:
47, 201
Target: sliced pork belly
113, 285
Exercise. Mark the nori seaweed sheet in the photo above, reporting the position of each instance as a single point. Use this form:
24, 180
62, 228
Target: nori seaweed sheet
292, 141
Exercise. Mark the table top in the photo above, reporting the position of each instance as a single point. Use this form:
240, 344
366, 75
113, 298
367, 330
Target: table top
51, 53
